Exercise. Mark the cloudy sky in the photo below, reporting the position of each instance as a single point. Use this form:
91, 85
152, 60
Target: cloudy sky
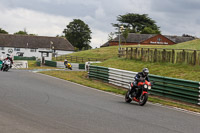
50, 17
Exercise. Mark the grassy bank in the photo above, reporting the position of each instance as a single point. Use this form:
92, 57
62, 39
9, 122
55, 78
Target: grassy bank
81, 78
180, 71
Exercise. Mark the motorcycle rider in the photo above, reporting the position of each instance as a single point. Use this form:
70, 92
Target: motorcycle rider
138, 76
8, 58
65, 63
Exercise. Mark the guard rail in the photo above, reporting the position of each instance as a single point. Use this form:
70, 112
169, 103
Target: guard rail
178, 89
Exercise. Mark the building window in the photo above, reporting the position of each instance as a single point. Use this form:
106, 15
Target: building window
33, 50
1, 48
159, 39
16, 49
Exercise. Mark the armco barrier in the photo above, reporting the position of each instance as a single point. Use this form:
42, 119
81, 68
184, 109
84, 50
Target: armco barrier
178, 89
81, 66
59, 64
120, 77
50, 63
97, 72
0, 63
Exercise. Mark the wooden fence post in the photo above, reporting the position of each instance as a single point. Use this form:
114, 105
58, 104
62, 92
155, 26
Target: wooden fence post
126, 52
155, 55
148, 54
136, 53
164, 55
195, 57
131, 53
142, 53
173, 56
183, 56
119, 52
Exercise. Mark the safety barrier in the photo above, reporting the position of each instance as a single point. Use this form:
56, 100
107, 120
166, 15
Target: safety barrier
178, 89
0, 63
50, 63
61, 64
24, 58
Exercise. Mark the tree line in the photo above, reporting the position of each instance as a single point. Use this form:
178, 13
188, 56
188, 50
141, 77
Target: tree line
78, 33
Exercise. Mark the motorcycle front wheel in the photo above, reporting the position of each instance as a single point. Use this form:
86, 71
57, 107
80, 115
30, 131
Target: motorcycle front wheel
143, 99
127, 99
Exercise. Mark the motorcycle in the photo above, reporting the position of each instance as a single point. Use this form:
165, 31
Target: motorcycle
6, 65
69, 66
141, 94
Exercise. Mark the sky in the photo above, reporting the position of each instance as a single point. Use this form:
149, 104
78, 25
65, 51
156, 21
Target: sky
50, 17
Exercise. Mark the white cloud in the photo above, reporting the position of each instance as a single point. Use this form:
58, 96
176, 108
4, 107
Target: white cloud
50, 17
99, 13
98, 38
35, 22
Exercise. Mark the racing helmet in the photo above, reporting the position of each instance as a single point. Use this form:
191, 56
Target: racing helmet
145, 71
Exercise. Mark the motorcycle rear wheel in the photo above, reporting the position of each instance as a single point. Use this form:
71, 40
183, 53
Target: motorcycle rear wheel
143, 99
127, 99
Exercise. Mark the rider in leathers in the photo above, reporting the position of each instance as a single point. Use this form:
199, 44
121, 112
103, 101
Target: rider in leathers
144, 75
8, 58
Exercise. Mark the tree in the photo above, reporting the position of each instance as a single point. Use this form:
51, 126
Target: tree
21, 33
24, 33
137, 23
3, 31
110, 36
78, 34
125, 34
148, 30
187, 35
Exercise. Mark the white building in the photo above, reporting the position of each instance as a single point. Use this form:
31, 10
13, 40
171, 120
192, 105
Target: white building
34, 46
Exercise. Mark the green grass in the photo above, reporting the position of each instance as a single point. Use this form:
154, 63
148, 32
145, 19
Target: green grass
194, 45
32, 65
105, 52
163, 69
81, 78
181, 71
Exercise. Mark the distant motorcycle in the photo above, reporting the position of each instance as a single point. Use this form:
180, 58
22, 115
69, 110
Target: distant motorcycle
6, 65
141, 94
69, 66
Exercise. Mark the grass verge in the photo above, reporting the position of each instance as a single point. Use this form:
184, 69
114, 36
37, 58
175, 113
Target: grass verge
181, 71
81, 78
32, 65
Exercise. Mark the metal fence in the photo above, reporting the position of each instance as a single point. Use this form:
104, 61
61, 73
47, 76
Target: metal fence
178, 89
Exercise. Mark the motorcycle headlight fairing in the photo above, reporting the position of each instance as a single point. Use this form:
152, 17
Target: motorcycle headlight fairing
149, 87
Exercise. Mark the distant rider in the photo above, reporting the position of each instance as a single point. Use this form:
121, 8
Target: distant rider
65, 63
138, 76
8, 58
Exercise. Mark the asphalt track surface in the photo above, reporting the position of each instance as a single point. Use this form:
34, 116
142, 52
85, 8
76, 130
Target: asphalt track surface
36, 103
